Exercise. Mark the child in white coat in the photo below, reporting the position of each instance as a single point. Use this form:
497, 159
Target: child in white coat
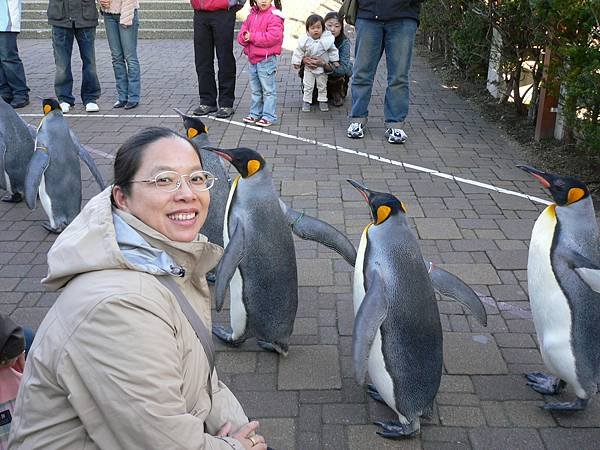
316, 42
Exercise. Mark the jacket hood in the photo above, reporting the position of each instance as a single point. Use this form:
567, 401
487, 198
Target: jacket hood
102, 238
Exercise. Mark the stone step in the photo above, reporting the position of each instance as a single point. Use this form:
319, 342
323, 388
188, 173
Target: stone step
150, 4
149, 24
144, 14
156, 33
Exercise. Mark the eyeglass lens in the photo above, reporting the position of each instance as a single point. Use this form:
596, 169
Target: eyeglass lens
170, 181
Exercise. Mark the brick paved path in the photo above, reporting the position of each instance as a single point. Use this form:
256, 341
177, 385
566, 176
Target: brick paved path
309, 400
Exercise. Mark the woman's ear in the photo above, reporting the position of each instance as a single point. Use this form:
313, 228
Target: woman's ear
121, 200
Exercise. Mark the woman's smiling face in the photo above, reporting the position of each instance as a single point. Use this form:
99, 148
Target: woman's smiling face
178, 215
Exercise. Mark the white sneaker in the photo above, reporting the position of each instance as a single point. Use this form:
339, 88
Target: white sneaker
395, 136
65, 107
91, 107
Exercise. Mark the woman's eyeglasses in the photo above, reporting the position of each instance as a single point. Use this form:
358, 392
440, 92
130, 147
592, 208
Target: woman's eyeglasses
170, 181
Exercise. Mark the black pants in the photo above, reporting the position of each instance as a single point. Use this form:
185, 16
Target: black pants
213, 30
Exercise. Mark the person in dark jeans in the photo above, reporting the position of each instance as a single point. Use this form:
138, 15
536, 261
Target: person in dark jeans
214, 21
390, 26
13, 85
70, 20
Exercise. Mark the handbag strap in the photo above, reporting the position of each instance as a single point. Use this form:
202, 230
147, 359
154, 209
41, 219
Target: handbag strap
204, 336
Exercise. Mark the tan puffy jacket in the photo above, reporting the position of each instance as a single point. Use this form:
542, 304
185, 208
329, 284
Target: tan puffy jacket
115, 363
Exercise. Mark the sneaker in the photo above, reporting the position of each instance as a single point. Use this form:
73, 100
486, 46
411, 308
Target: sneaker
65, 107
19, 103
224, 112
203, 110
395, 136
323, 106
119, 104
131, 105
250, 119
264, 123
305, 107
91, 107
356, 131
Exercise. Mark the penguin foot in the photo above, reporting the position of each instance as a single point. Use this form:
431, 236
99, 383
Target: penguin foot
577, 405
271, 347
545, 384
374, 393
428, 412
396, 430
12, 198
51, 229
226, 336
211, 277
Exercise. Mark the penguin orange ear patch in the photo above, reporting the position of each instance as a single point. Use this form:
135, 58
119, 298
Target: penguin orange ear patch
383, 212
47, 109
575, 194
253, 166
192, 133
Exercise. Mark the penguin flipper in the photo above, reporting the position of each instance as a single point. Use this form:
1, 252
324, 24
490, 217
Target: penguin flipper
32, 130
2, 165
586, 269
369, 317
88, 160
449, 285
232, 257
37, 166
313, 229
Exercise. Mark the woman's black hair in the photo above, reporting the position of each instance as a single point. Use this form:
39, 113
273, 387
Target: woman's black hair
277, 4
334, 15
314, 18
130, 154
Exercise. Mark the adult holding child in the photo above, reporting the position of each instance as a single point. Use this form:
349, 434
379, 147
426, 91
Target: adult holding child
124, 357
122, 22
390, 26
261, 36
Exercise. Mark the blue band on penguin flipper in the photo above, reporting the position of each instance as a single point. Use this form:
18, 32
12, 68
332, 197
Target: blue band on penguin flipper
233, 255
369, 317
37, 166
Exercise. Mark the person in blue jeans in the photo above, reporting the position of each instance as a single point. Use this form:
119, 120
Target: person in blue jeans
390, 26
122, 23
13, 85
74, 20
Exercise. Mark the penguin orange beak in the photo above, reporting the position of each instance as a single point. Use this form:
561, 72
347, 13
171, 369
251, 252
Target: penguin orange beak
543, 177
360, 188
222, 153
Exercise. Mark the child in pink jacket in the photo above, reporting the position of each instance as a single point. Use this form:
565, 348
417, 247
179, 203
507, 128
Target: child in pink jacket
261, 36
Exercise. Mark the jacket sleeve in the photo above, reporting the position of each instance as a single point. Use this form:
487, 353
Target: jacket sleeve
127, 12
123, 362
225, 408
240, 36
299, 52
272, 36
334, 54
345, 68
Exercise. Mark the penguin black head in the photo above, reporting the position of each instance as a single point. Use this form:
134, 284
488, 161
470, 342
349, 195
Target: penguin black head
564, 190
245, 160
193, 125
50, 104
383, 205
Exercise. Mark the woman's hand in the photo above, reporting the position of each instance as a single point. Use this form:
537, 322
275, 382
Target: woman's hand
105, 4
248, 438
312, 62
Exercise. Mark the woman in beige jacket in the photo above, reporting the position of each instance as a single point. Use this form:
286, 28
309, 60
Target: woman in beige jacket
115, 363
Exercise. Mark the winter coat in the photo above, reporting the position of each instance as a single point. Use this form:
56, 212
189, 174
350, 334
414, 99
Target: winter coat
10, 15
324, 47
389, 9
69, 13
126, 8
266, 34
345, 67
210, 5
115, 363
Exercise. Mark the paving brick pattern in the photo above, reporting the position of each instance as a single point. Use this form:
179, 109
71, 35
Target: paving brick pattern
310, 400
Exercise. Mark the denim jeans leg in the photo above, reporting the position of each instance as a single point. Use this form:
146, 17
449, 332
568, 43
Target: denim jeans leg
4, 88
62, 44
256, 101
399, 37
267, 71
368, 51
129, 37
12, 66
90, 86
111, 22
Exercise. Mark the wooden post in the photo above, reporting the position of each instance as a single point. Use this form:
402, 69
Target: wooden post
546, 114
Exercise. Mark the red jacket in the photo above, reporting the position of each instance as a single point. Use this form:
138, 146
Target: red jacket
266, 34
210, 5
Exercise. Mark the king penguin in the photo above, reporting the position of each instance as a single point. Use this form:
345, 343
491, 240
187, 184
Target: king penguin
259, 262
198, 133
16, 148
563, 276
397, 335
54, 172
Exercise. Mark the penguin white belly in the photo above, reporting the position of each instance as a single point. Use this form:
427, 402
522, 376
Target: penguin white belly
359, 278
549, 306
237, 311
46, 202
7, 182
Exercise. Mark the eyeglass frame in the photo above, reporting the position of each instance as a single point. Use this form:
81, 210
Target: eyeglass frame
179, 182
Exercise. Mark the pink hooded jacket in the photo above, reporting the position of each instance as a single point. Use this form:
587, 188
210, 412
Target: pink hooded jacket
266, 34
